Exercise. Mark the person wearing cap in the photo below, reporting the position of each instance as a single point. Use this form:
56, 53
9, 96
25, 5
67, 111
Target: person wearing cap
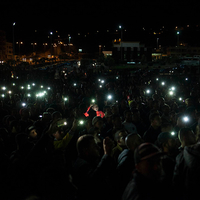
146, 182
61, 140
32, 134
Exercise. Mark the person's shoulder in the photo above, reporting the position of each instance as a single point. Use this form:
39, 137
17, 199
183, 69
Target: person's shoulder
131, 193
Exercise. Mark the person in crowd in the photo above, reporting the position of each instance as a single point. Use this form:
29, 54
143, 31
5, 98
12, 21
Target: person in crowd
165, 114
155, 128
146, 182
32, 134
93, 111
186, 176
138, 122
117, 125
120, 144
42, 123
167, 143
126, 164
128, 122
92, 174
61, 140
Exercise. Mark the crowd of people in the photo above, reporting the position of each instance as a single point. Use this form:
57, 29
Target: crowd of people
102, 134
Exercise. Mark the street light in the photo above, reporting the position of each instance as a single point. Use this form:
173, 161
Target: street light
178, 33
19, 46
51, 34
14, 43
120, 27
34, 44
44, 44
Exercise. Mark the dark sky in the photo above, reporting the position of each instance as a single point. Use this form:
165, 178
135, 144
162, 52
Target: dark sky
77, 16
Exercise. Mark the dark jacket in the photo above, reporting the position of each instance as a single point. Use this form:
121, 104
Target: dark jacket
151, 134
186, 178
125, 167
94, 181
141, 188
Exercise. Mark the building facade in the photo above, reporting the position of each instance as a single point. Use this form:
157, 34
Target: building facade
6, 48
183, 51
131, 52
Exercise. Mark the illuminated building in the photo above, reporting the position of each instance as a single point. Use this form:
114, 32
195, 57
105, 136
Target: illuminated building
131, 51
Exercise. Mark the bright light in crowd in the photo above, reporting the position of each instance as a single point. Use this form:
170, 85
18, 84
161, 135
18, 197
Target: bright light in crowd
148, 91
28, 95
186, 79
13, 84
109, 97
3, 88
185, 119
93, 100
117, 77
99, 79
81, 122
102, 81
171, 92
180, 99
33, 84
65, 99
172, 133
22, 87
23, 104
100, 86
3, 95
41, 86
48, 88
157, 79
74, 84
41, 94
9, 92
173, 88
163, 83
65, 123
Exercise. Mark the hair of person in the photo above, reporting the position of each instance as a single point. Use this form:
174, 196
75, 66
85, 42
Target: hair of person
152, 116
126, 111
115, 116
166, 125
135, 110
116, 136
105, 107
183, 133
83, 142
133, 140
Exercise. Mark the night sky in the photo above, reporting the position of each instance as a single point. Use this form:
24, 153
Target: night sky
86, 16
